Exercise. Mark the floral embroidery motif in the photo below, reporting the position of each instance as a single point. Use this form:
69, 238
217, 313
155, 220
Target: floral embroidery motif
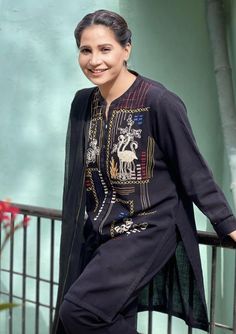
128, 227
92, 152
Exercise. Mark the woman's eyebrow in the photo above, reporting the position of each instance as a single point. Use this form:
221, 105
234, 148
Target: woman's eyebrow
105, 44
99, 45
84, 46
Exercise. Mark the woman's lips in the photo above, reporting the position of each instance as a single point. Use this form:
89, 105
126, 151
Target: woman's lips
97, 71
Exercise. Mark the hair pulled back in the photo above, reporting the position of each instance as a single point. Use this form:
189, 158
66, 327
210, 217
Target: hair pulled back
109, 19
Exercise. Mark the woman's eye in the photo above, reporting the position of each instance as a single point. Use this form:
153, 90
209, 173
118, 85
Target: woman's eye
84, 51
105, 50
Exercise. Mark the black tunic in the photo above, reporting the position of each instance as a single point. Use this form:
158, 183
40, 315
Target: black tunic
143, 168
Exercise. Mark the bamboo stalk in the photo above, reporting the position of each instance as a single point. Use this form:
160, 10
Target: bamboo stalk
224, 83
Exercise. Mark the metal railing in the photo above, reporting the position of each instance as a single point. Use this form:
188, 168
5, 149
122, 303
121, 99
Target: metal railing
46, 216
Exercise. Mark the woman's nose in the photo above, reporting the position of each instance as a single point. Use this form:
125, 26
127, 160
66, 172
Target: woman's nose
95, 60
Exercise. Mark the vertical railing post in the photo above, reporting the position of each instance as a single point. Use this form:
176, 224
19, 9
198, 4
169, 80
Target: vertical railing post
213, 290
11, 276
234, 309
51, 274
37, 275
24, 279
169, 324
150, 301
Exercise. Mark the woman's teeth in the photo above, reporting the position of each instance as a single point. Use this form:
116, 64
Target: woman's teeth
97, 71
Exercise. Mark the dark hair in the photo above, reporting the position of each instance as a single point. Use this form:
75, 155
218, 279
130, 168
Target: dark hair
109, 19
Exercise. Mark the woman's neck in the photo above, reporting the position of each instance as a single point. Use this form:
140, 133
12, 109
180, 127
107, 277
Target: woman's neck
112, 91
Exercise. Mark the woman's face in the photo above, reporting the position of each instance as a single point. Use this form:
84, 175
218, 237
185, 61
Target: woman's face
101, 57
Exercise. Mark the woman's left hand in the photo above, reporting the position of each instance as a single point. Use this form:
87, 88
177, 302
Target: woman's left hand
233, 235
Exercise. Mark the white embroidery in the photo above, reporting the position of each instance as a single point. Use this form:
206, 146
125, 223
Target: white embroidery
127, 157
130, 227
92, 151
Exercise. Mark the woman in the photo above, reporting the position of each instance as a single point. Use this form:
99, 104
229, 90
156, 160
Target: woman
132, 162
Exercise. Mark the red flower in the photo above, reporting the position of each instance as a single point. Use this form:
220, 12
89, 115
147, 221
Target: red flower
4, 206
8, 214
26, 221
14, 211
4, 216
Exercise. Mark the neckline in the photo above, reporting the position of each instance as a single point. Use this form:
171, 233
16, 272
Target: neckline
123, 95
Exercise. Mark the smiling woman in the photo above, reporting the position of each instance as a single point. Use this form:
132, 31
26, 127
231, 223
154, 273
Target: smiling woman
133, 165
102, 60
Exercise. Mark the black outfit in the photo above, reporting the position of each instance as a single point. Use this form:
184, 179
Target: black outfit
142, 170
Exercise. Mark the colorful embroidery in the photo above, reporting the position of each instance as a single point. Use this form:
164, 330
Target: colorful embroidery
150, 157
120, 163
123, 164
127, 204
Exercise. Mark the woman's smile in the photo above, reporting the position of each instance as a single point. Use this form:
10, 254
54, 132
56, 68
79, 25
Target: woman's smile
97, 72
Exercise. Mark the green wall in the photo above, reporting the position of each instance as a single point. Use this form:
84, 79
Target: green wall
230, 14
225, 286
38, 60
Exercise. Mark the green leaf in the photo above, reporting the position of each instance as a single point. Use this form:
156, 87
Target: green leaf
6, 306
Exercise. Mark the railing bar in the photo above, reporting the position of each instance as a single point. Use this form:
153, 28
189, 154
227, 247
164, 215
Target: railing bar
208, 238
211, 239
37, 211
150, 302
24, 277
234, 309
169, 324
29, 276
223, 326
51, 274
11, 275
213, 290
37, 275
205, 238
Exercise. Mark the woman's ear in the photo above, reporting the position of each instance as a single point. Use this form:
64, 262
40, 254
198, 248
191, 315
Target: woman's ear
127, 50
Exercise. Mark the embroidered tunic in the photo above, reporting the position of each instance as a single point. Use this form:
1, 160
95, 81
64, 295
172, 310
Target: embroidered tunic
121, 171
131, 181
143, 172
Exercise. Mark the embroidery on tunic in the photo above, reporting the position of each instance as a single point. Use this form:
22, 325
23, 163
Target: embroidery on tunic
147, 213
126, 151
144, 196
127, 163
128, 227
94, 134
92, 152
150, 157
124, 190
91, 187
129, 204
105, 195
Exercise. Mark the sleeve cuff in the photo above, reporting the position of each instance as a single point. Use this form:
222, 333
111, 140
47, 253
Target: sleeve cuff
225, 227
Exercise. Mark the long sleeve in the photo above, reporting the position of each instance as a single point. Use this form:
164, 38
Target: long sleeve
178, 144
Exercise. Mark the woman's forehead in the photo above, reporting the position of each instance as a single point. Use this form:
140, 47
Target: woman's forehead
97, 33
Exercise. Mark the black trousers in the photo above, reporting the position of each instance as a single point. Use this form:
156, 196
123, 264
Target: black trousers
103, 299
